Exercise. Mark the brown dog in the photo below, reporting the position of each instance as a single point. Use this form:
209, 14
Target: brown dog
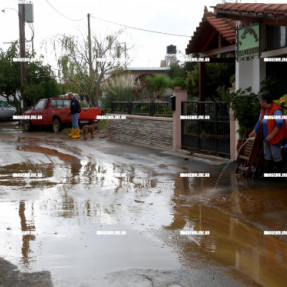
89, 129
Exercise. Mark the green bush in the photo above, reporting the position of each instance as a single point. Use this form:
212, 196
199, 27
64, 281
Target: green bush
158, 84
179, 82
245, 105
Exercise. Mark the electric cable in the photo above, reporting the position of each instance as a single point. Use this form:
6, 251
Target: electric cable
60, 13
140, 29
118, 24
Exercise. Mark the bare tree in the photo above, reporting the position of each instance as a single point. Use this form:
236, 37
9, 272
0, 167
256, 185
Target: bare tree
85, 74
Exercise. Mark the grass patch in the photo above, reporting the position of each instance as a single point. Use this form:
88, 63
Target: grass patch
102, 125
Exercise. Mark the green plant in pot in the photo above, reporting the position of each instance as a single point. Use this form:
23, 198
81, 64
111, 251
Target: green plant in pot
178, 83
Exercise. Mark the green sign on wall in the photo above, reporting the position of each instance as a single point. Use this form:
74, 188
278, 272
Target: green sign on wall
248, 42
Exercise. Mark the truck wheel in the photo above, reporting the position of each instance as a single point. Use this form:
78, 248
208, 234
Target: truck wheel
27, 125
57, 125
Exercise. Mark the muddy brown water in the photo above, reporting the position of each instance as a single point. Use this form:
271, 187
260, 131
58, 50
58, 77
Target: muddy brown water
53, 222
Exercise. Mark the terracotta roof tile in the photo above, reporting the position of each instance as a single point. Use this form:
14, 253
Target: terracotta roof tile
225, 27
263, 9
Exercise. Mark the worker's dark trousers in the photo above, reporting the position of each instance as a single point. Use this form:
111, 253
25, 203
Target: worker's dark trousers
272, 152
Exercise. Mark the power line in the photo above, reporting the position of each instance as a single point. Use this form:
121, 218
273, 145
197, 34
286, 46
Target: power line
140, 29
118, 24
63, 14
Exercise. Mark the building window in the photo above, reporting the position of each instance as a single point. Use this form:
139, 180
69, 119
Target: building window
276, 37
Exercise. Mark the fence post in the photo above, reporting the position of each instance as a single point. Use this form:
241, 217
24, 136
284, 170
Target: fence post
152, 108
198, 112
112, 107
130, 108
216, 125
180, 96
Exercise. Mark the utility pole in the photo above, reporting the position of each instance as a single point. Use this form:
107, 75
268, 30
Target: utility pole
23, 75
90, 45
90, 54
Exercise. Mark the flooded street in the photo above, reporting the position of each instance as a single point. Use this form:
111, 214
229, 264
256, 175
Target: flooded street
98, 213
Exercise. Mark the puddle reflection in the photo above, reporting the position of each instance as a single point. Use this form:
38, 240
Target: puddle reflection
27, 228
231, 241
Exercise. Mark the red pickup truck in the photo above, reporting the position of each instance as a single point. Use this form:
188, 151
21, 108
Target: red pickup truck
55, 112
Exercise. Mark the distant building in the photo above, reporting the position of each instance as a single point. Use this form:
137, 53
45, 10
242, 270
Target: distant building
136, 73
135, 76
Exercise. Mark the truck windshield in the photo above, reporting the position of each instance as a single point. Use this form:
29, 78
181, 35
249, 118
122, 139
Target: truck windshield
40, 105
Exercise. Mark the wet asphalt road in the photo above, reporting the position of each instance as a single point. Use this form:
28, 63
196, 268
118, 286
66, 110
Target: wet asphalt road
98, 213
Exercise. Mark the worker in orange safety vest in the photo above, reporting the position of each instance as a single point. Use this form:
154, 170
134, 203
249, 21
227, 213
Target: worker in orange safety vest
273, 127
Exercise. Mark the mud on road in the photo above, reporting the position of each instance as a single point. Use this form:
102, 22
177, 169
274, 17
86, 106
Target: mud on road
99, 213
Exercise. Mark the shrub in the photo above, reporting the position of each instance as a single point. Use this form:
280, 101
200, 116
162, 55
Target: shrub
158, 84
117, 89
179, 82
245, 105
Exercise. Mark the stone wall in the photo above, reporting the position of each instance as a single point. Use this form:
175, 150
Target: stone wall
142, 130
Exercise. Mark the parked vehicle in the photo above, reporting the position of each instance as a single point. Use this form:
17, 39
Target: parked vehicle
6, 110
55, 112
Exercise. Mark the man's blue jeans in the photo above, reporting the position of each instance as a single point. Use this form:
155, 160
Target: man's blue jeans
75, 118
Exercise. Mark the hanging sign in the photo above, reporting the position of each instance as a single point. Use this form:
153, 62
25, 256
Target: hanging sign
248, 42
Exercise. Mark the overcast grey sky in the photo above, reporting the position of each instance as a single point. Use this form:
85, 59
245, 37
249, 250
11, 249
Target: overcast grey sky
169, 16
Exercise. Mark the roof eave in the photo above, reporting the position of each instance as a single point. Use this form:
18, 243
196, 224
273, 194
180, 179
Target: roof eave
252, 17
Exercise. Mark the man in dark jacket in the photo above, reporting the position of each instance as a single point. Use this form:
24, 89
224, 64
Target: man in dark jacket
75, 109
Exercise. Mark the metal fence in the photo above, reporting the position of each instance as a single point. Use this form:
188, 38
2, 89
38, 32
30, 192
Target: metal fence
156, 109
208, 128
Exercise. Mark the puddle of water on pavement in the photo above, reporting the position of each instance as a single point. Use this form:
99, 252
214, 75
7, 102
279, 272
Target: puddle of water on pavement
70, 213
58, 231
48, 151
26, 174
57, 227
232, 243
237, 229
74, 212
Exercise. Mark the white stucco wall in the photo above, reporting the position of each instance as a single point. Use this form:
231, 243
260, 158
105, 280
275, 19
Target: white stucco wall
250, 74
